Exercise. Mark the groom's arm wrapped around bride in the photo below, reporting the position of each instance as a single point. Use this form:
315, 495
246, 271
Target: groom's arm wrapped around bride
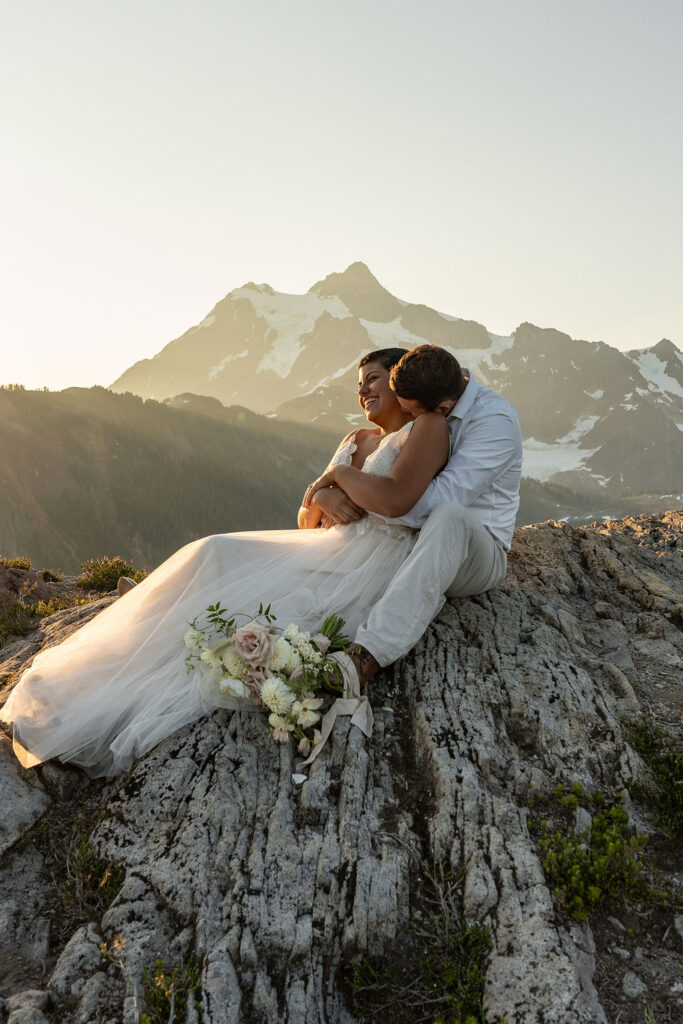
466, 515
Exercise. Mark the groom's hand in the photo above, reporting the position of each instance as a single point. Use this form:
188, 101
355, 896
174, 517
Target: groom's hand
337, 507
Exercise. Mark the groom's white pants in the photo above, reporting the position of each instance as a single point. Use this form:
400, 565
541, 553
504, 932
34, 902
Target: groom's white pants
454, 556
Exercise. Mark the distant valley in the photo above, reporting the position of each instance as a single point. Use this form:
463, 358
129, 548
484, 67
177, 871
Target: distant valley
85, 472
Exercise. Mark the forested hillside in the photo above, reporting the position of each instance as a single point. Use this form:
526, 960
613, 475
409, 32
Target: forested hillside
85, 472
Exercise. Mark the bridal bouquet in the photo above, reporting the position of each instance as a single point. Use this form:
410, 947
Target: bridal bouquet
280, 669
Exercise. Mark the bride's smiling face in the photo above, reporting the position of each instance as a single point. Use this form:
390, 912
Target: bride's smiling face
374, 394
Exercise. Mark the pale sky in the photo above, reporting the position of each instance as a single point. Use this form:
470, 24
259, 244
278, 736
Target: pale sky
504, 160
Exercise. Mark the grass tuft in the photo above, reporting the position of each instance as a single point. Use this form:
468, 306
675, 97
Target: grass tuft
438, 974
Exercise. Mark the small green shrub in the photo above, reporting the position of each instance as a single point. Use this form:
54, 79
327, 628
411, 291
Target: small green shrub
438, 974
56, 604
102, 574
16, 620
16, 563
603, 866
166, 992
52, 576
663, 755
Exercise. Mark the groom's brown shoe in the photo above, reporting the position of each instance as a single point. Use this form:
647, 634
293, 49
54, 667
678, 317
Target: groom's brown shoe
366, 665
363, 663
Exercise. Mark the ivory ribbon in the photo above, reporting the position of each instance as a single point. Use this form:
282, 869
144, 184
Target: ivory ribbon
353, 703
322, 642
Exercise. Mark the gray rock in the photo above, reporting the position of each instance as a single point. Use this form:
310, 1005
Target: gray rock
632, 986
80, 959
22, 797
272, 887
31, 998
27, 1015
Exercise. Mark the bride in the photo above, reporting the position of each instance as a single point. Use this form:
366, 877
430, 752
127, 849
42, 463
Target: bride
119, 685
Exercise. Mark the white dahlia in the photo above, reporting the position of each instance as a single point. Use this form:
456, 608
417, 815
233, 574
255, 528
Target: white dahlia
294, 664
210, 657
281, 655
276, 695
233, 665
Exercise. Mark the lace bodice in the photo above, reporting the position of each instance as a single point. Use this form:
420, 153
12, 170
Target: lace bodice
381, 461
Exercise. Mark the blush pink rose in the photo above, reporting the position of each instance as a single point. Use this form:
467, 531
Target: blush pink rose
254, 644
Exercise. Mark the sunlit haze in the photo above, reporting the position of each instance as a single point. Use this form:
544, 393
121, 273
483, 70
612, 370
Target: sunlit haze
499, 161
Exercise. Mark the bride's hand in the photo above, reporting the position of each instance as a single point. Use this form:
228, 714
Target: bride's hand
326, 480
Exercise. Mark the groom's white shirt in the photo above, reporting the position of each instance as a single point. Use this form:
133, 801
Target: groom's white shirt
485, 466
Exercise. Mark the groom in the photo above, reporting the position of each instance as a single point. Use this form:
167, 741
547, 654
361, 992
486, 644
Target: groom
466, 517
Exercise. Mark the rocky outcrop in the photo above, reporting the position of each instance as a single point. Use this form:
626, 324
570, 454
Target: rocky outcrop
272, 888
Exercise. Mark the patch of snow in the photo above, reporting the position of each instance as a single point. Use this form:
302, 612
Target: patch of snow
593, 394
653, 370
481, 360
219, 367
581, 427
680, 426
391, 334
288, 317
542, 460
208, 320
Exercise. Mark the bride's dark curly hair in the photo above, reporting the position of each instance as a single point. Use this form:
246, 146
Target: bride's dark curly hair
388, 357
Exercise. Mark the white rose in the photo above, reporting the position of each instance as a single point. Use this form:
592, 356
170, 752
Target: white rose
281, 655
292, 631
232, 687
276, 695
233, 665
302, 638
316, 657
209, 656
306, 650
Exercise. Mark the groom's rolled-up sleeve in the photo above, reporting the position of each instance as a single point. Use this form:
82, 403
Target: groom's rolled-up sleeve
484, 449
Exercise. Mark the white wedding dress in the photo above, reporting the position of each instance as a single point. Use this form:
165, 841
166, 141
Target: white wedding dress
119, 685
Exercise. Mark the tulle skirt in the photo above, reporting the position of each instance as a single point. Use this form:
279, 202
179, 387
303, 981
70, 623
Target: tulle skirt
119, 685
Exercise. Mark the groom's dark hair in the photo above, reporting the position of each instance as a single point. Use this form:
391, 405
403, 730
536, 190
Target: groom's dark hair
429, 375
388, 357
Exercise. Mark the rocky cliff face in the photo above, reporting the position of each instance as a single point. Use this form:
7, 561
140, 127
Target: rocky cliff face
209, 857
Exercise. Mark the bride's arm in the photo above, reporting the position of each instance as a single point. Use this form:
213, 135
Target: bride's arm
332, 503
309, 518
424, 453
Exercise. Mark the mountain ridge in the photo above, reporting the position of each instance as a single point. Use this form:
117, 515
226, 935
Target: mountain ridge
294, 357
